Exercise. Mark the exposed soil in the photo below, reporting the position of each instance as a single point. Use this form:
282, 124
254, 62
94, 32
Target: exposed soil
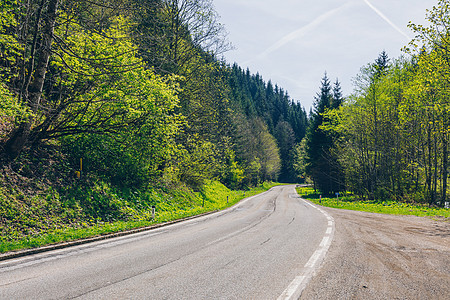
377, 256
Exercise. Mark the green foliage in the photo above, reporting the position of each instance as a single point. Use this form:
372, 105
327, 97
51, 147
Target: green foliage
118, 93
136, 91
300, 161
233, 176
391, 138
257, 151
394, 132
196, 163
269, 155
82, 212
350, 202
104, 103
285, 119
319, 161
10, 48
123, 126
11, 111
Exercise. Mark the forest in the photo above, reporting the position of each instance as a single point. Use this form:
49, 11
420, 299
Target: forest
107, 103
139, 91
110, 107
390, 138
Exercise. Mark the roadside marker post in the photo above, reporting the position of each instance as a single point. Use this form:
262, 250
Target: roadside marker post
153, 212
78, 172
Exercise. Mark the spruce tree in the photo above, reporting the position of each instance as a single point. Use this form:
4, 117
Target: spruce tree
381, 65
322, 165
337, 95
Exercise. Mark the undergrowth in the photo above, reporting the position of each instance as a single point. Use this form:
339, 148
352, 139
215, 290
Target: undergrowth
87, 210
42, 203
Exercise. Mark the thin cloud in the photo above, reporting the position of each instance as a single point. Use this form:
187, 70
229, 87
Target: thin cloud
379, 13
300, 32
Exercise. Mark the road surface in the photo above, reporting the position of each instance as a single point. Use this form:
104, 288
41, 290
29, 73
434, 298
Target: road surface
263, 248
382, 257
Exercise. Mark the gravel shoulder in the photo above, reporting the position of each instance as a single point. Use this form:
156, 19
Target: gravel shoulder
377, 256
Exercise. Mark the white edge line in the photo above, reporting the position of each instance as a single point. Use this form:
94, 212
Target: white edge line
296, 287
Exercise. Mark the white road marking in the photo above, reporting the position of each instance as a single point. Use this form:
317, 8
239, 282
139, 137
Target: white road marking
296, 287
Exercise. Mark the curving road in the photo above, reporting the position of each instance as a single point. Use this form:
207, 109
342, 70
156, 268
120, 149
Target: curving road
266, 247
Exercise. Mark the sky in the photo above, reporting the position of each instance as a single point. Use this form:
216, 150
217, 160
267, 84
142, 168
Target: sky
294, 42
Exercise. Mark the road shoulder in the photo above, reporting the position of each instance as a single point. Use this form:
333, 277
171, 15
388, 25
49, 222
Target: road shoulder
377, 256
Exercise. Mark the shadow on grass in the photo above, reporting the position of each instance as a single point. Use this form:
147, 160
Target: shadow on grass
310, 194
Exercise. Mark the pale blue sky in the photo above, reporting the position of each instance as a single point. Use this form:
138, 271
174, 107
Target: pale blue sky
293, 42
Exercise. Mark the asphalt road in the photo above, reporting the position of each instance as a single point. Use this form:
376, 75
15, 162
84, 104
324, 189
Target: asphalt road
264, 248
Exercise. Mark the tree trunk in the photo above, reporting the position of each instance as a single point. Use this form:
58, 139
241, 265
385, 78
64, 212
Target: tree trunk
21, 135
428, 163
444, 167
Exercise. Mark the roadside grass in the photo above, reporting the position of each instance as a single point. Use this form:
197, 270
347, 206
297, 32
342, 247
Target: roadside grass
169, 206
382, 207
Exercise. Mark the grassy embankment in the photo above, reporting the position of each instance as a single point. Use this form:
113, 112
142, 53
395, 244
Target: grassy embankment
39, 221
351, 202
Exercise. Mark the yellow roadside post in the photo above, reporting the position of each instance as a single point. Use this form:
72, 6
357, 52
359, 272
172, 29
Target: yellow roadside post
78, 172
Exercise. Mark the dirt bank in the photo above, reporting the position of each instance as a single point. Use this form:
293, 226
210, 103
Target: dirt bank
384, 257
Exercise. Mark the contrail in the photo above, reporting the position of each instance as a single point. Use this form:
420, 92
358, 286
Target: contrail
379, 13
301, 31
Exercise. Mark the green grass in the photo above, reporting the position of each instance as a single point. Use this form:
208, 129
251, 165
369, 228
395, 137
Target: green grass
70, 234
170, 205
382, 207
